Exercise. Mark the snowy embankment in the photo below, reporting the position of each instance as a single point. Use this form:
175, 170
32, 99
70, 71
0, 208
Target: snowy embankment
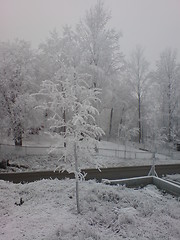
107, 212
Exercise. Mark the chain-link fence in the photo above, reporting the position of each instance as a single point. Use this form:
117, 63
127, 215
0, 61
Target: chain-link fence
7, 149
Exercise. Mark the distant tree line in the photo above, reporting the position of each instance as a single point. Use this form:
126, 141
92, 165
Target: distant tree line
134, 98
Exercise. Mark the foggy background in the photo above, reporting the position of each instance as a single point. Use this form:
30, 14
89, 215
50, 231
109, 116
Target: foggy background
153, 24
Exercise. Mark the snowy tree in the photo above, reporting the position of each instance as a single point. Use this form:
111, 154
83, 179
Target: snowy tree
49, 62
76, 98
98, 50
56, 55
155, 138
125, 106
167, 76
48, 56
137, 77
16, 83
70, 101
101, 53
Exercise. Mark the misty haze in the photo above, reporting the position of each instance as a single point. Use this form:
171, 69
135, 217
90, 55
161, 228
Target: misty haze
89, 95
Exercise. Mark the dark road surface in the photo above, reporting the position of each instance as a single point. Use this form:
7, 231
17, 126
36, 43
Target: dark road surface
105, 173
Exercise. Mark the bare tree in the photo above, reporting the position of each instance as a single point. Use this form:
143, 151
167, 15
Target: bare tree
167, 75
101, 53
137, 74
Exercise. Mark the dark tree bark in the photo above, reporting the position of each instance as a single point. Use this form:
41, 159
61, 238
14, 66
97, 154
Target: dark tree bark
139, 116
18, 135
77, 178
110, 124
64, 128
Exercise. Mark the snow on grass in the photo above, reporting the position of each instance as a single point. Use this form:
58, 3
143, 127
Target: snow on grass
38, 158
107, 212
51, 162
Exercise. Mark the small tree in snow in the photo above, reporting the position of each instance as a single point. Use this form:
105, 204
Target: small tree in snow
76, 98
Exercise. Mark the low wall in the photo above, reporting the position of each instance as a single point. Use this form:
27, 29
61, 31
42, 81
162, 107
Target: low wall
162, 184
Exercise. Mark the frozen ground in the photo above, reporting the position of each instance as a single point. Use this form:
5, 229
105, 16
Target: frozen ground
107, 212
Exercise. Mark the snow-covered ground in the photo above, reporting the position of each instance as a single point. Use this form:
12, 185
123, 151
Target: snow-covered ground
174, 177
39, 159
48, 211
107, 212
48, 162
34, 154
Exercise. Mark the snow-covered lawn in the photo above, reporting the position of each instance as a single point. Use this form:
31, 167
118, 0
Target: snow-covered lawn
49, 162
107, 212
105, 158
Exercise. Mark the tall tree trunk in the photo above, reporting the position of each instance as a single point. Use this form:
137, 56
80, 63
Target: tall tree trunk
77, 178
121, 121
64, 128
139, 116
142, 132
170, 126
18, 135
110, 124
169, 112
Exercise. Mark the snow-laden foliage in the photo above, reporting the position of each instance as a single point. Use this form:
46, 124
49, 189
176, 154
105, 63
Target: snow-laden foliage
71, 103
102, 57
72, 116
130, 96
167, 75
16, 83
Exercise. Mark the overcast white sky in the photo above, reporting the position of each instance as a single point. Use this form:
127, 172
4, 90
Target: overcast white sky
154, 24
